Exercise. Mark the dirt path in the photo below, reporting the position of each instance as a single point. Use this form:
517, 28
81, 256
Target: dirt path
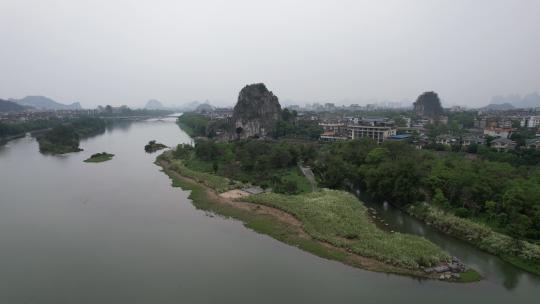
308, 173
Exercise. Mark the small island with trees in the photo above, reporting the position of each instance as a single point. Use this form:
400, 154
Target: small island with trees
99, 157
65, 138
154, 146
61, 139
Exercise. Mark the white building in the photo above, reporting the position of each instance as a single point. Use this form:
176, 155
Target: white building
530, 122
379, 134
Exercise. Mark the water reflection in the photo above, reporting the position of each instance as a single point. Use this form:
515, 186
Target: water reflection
124, 126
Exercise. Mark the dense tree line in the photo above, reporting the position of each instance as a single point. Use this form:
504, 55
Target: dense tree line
265, 163
194, 124
290, 126
504, 196
23, 127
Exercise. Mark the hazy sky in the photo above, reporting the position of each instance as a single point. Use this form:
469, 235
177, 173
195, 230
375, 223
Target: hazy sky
126, 52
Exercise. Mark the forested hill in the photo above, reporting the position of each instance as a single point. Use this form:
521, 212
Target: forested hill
45, 103
9, 106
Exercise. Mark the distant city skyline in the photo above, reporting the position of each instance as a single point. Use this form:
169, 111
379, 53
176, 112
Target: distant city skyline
126, 52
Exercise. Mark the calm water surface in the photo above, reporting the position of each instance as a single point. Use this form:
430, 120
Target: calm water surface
117, 232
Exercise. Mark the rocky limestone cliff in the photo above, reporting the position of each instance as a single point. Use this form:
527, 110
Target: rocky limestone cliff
428, 105
256, 112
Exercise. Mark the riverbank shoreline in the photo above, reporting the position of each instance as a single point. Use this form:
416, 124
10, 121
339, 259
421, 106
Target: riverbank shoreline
480, 236
286, 228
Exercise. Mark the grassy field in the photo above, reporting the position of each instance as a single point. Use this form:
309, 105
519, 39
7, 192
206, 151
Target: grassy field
99, 158
527, 257
338, 218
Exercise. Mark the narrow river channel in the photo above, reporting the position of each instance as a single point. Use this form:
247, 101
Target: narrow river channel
117, 232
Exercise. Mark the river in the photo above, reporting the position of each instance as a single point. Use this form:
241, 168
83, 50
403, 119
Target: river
117, 232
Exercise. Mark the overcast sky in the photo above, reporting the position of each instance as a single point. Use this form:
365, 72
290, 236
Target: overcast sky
126, 52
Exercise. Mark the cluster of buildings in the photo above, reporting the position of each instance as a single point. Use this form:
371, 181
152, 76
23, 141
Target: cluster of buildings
46, 114
18, 117
332, 107
489, 129
378, 129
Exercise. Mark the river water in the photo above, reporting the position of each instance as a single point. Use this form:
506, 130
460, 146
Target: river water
117, 232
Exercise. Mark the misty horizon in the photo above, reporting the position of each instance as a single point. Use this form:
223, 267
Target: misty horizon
124, 53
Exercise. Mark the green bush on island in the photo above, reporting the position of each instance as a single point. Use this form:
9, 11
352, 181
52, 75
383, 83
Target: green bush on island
99, 157
153, 146
337, 217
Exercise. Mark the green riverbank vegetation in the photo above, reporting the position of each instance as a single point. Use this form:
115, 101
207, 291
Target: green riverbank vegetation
12, 129
193, 124
336, 223
266, 164
503, 198
496, 195
216, 182
99, 157
518, 252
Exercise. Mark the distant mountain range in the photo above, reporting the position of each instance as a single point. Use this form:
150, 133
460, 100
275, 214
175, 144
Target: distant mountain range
10, 106
154, 104
498, 107
45, 103
514, 101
